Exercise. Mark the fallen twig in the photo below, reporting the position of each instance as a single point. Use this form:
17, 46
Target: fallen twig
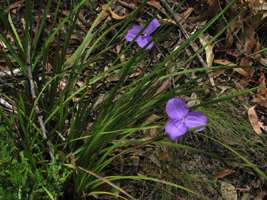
37, 109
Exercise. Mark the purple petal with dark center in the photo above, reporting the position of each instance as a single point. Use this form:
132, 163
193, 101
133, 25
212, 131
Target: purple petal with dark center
196, 120
175, 129
133, 32
176, 108
152, 26
142, 41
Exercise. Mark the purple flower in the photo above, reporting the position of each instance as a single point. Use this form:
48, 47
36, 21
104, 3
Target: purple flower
180, 119
144, 37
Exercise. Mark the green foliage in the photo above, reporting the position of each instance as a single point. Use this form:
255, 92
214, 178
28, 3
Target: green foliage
22, 176
85, 127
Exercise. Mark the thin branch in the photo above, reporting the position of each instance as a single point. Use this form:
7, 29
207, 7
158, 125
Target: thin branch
37, 109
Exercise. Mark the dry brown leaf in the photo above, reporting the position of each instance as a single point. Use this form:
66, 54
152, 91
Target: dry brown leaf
261, 95
205, 41
115, 15
250, 40
14, 5
224, 173
262, 101
184, 15
262, 92
218, 73
263, 61
155, 4
242, 71
246, 70
254, 121
227, 63
257, 48
246, 62
262, 81
223, 62
163, 87
244, 26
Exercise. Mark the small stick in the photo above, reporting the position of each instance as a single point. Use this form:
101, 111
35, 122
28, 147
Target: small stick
193, 45
37, 109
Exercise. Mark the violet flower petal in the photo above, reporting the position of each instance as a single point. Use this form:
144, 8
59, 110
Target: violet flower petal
133, 32
175, 129
196, 120
151, 27
151, 44
176, 108
142, 41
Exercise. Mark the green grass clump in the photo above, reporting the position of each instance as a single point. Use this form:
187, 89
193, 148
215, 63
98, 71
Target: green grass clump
76, 106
